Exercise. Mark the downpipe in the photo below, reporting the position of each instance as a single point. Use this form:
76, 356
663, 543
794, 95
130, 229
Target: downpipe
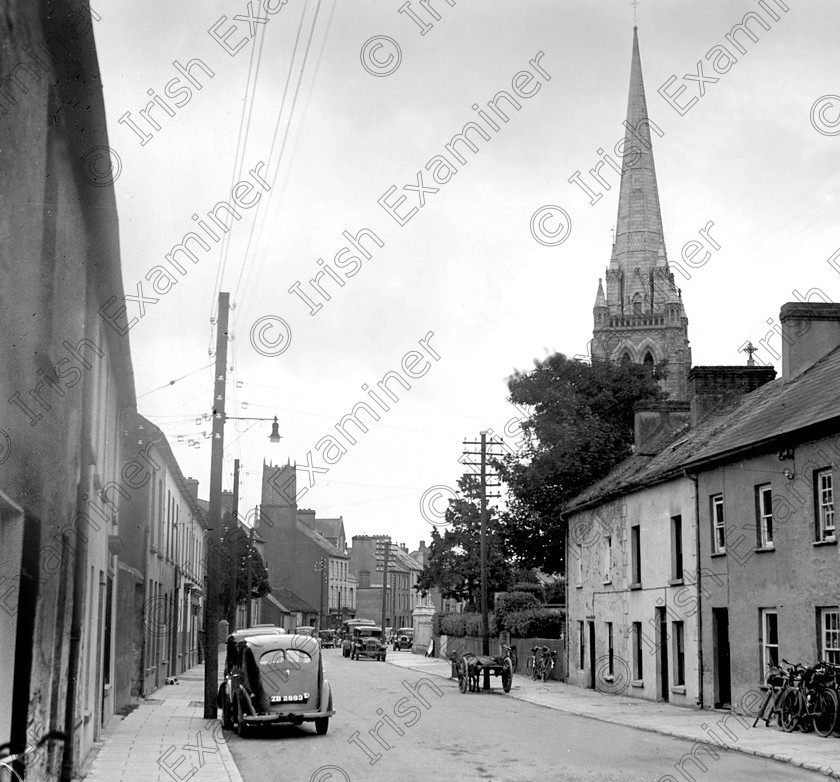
698, 576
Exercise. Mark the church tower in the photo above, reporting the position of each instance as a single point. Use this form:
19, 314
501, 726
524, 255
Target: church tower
640, 317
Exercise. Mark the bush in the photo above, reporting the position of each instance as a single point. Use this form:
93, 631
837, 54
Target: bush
534, 623
459, 625
509, 602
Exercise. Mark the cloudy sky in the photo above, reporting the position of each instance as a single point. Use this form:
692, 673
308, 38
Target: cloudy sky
338, 102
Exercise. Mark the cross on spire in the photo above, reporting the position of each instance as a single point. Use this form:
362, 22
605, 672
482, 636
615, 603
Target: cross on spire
635, 4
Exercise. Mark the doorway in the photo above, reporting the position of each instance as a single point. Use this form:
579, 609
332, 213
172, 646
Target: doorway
723, 680
591, 684
662, 648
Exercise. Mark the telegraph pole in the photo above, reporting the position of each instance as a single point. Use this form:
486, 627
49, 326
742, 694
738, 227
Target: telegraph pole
248, 583
211, 603
485, 619
384, 550
234, 540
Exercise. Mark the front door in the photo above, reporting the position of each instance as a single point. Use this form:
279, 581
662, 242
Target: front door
723, 681
662, 648
591, 684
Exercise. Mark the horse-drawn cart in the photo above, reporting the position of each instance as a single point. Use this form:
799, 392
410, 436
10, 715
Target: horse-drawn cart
471, 667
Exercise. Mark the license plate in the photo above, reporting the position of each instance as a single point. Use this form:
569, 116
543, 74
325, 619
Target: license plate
289, 698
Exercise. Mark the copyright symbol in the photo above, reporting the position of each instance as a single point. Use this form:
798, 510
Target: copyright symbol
325, 774
261, 338
618, 680
377, 63
541, 231
5, 445
158, 615
101, 166
432, 512
822, 123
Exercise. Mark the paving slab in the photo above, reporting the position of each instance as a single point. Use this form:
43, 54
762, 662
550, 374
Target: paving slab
717, 728
165, 739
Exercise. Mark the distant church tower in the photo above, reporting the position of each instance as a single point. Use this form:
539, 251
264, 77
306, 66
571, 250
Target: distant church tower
641, 318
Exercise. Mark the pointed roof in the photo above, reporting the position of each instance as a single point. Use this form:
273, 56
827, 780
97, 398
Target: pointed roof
638, 234
600, 299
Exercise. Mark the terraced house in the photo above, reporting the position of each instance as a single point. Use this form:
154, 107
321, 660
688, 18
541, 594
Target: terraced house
711, 553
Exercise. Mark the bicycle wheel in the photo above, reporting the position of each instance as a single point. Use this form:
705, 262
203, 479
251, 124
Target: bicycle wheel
546, 669
789, 710
529, 666
826, 716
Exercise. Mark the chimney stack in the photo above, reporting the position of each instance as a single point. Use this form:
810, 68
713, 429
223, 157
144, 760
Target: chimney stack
655, 420
717, 390
810, 331
192, 487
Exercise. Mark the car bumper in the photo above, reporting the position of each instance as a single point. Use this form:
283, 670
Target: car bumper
305, 716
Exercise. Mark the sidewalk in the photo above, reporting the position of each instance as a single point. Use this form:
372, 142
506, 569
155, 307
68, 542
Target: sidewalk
718, 729
165, 739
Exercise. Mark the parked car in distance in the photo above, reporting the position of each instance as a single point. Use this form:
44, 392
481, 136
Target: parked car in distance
275, 679
307, 630
404, 638
347, 633
328, 638
368, 641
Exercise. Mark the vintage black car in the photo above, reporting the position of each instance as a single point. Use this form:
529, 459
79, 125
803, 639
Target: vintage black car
368, 641
347, 633
247, 632
274, 679
404, 638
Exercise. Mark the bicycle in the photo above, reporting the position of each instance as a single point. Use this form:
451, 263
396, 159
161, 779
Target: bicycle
549, 661
15, 763
811, 703
540, 664
775, 683
532, 662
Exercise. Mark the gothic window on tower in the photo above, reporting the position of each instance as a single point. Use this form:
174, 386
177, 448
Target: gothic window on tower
637, 304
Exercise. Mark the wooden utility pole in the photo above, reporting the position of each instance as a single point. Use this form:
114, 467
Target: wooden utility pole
214, 521
485, 619
233, 541
248, 587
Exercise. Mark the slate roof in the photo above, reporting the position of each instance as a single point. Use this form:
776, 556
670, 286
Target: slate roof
289, 602
320, 540
773, 412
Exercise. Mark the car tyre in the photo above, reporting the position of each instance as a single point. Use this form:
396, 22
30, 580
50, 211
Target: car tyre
322, 725
227, 717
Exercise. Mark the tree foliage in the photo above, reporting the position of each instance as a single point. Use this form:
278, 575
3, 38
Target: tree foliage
454, 562
237, 549
580, 427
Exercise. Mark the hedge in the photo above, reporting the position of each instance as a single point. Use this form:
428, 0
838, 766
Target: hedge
534, 623
459, 625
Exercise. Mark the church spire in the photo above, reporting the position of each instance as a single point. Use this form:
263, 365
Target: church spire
639, 224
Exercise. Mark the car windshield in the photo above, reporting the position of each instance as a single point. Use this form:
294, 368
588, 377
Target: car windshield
368, 633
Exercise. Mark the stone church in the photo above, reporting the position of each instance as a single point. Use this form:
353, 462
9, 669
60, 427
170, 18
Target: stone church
641, 317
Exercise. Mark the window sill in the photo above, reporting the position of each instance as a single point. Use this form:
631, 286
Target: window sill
717, 554
764, 549
826, 542
638, 683
609, 678
679, 689
637, 585
608, 582
578, 586
676, 582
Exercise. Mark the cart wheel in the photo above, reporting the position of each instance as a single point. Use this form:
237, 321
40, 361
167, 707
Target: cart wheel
507, 675
463, 677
